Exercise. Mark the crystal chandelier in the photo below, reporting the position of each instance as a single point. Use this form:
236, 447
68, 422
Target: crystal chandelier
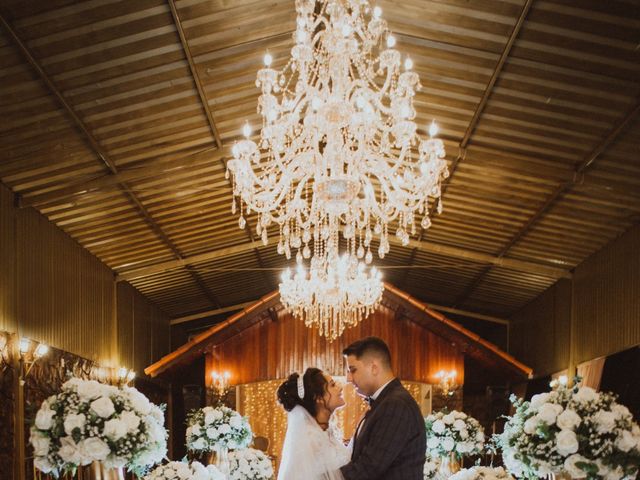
336, 293
338, 148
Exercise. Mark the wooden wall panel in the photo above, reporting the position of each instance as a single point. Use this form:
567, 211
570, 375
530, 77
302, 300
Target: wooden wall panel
607, 311
540, 334
143, 330
607, 289
65, 294
274, 349
8, 320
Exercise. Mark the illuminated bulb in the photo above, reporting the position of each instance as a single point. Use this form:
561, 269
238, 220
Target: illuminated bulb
131, 375
563, 380
122, 373
408, 64
246, 130
227, 375
41, 350
25, 343
268, 59
433, 129
377, 11
391, 41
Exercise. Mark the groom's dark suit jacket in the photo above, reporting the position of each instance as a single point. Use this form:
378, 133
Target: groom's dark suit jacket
391, 444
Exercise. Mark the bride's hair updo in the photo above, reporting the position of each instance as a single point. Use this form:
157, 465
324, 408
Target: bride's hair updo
315, 386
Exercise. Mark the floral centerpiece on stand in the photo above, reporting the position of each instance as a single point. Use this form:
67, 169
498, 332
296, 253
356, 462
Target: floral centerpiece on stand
185, 471
571, 430
250, 464
482, 473
210, 429
453, 433
91, 422
451, 436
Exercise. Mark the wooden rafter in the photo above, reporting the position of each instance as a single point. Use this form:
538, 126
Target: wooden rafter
462, 147
212, 124
559, 192
104, 157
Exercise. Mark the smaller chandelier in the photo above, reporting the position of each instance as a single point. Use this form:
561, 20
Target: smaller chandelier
335, 294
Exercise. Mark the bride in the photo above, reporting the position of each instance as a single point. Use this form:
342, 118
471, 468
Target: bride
311, 450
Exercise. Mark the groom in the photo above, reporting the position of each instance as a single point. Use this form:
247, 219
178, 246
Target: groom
390, 441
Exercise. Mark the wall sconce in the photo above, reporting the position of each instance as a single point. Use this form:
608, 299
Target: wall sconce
125, 375
28, 358
447, 382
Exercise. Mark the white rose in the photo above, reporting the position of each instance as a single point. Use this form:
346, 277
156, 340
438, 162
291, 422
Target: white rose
548, 413
625, 441
448, 444
95, 448
199, 444
236, 421
44, 418
585, 394
43, 464
605, 421
566, 442
169, 472
131, 420
571, 467
40, 443
620, 411
69, 451
212, 432
433, 443
459, 425
113, 461
114, 429
568, 420
464, 447
449, 418
530, 425
141, 404
195, 429
479, 436
438, 426
90, 389
224, 429
183, 471
103, 407
464, 434
74, 421
538, 400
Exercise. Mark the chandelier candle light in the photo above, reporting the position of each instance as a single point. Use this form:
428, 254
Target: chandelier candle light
338, 152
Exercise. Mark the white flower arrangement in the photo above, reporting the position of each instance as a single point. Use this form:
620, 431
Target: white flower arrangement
453, 433
481, 473
89, 421
431, 466
250, 464
185, 471
573, 430
209, 429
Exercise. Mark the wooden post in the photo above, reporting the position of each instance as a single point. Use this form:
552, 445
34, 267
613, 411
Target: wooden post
19, 445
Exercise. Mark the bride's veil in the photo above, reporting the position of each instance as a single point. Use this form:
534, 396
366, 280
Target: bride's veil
308, 453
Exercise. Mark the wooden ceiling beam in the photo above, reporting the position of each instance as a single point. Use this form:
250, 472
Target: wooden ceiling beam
102, 155
167, 164
559, 192
462, 147
445, 250
212, 124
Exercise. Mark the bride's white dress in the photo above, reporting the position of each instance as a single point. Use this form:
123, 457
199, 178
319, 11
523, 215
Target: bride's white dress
310, 453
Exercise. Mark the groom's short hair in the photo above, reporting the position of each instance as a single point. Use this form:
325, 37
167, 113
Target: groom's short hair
369, 346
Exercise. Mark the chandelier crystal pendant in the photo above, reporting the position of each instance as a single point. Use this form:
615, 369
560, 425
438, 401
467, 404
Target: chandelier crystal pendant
339, 151
336, 293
